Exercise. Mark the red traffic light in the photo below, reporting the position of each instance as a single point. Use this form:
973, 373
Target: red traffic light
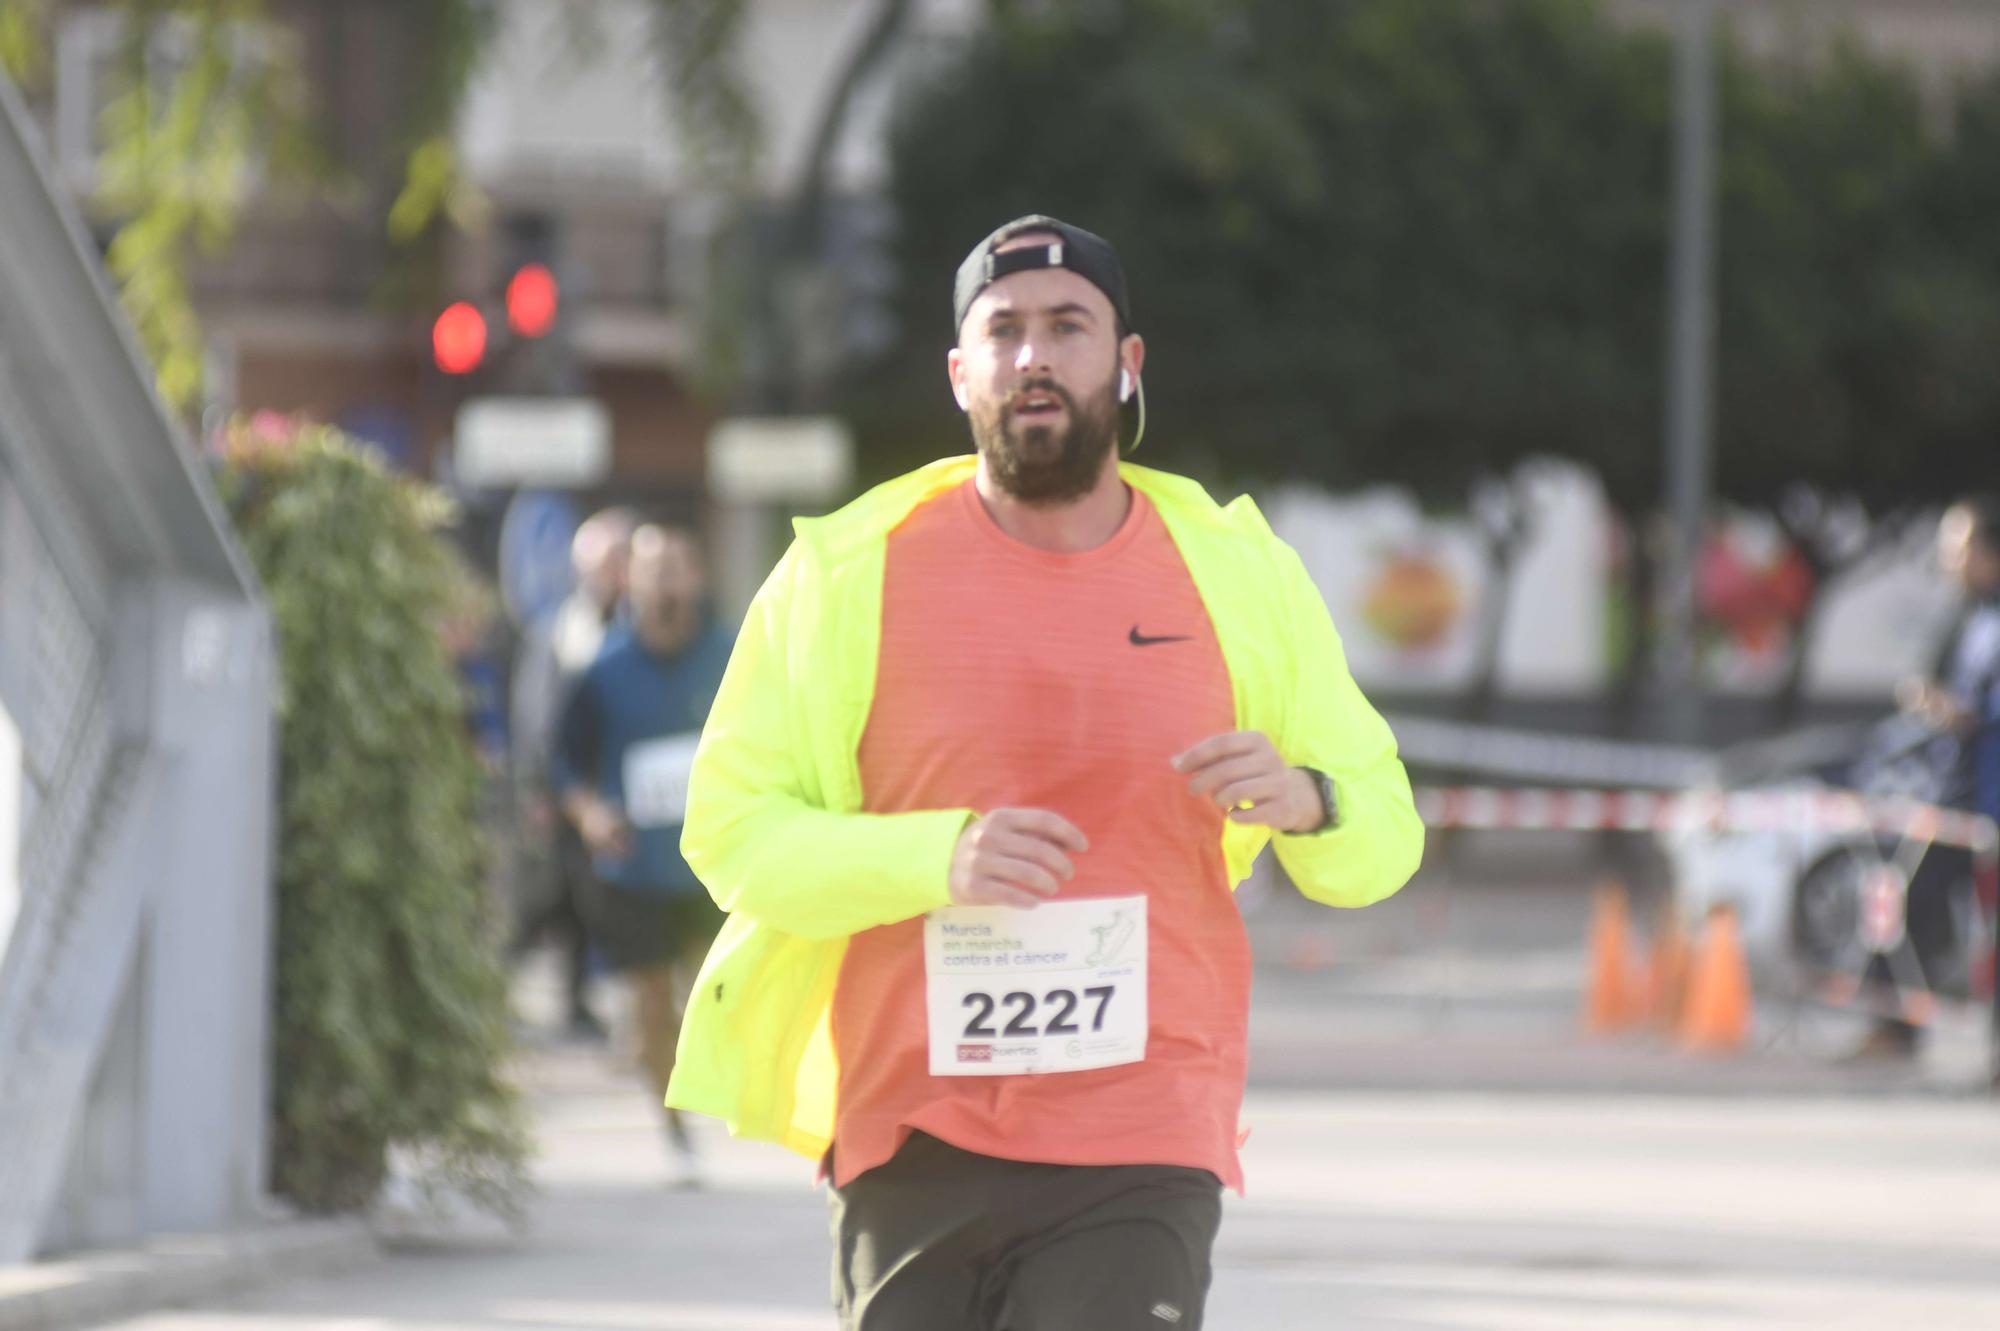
532, 298
458, 338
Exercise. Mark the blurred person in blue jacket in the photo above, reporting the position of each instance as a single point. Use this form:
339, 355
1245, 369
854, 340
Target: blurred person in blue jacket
555, 869
1958, 703
1962, 701
624, 748
467, 628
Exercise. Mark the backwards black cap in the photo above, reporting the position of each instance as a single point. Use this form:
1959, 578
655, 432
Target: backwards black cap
1084, 253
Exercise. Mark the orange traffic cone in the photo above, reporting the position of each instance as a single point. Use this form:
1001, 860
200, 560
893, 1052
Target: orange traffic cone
1716, 1016
1667, 975
1613, 999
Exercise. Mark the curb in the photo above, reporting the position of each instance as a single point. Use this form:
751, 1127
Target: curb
1541, 1065
176, 1269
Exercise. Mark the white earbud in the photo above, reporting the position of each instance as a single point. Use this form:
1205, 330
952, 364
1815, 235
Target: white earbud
1124, 385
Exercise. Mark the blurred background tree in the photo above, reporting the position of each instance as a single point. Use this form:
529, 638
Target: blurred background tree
1421, 243
1379, 241
1373, 240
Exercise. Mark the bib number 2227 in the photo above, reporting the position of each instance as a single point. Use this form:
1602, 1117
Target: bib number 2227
1060, 988
1024, 1009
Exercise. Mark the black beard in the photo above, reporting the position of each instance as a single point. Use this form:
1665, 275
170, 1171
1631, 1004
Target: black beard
1034, 463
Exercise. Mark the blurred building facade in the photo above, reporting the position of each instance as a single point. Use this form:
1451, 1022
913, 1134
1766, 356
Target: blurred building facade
1942, 40
136, 770
571, 140
569, 137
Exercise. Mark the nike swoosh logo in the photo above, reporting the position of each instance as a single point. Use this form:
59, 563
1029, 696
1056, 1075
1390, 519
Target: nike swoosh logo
1138, 639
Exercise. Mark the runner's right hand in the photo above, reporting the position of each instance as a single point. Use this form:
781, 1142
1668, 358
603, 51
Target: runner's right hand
603, 829
1014, 857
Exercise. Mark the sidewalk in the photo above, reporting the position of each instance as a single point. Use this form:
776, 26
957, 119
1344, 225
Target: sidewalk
177, 1269
1398, 1077
1367, 1212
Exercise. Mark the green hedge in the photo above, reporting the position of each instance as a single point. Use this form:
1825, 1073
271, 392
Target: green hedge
391, 1029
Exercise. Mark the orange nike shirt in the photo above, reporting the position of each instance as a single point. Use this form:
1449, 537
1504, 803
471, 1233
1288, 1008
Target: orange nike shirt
1012, 677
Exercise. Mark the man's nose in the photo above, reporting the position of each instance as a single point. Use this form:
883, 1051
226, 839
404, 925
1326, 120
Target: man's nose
1029, 357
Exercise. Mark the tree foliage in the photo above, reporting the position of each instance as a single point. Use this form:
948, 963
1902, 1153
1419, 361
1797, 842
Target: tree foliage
391, 1013
1845, 336
1367, 240
1415, 241
215, 106
700, 43
212, 107
198, 115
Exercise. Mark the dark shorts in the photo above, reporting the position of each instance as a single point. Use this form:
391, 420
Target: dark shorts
942, 1238
637, 930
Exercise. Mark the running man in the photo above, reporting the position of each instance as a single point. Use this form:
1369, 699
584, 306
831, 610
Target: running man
624, 748
995, 744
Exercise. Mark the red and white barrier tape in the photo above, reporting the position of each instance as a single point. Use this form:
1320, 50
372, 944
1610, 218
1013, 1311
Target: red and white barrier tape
1533, 755
1588, 810
1787, 811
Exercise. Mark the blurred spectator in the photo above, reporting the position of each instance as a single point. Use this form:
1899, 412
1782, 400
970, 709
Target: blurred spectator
469, 629
555, 867
624, 748
468, 634
1962, 697
1959, 703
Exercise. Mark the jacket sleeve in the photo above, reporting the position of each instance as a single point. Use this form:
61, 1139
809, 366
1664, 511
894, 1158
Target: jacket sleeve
577, 755
758, 833
1379, 839
1985, 746
533, 704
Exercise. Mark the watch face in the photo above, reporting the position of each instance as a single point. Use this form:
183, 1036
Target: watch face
1325, 784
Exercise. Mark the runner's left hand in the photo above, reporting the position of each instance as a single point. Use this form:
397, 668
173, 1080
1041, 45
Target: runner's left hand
1936, 706
1244, 768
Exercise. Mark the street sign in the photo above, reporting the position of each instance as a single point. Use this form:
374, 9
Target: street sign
773, 459
548, 442
535, 537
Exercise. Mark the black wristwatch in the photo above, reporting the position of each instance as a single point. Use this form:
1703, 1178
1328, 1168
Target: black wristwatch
1324, 785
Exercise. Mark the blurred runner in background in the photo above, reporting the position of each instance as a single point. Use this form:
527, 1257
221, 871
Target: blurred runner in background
556, 868
624, 747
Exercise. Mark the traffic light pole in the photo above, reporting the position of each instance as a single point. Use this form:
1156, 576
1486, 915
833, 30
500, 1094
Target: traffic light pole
1691, 358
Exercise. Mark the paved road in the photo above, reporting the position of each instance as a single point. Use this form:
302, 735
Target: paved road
1431, 1147
1368, 1210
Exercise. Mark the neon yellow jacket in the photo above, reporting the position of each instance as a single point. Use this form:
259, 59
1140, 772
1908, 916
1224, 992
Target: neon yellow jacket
774, 826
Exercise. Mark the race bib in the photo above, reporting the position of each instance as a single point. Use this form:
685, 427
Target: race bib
1059, 988
656, 780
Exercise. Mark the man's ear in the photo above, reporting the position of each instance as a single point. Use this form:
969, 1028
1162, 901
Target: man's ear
954, 366
1132, 354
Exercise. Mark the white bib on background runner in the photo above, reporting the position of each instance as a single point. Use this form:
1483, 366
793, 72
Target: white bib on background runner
1059, 988
656, 780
